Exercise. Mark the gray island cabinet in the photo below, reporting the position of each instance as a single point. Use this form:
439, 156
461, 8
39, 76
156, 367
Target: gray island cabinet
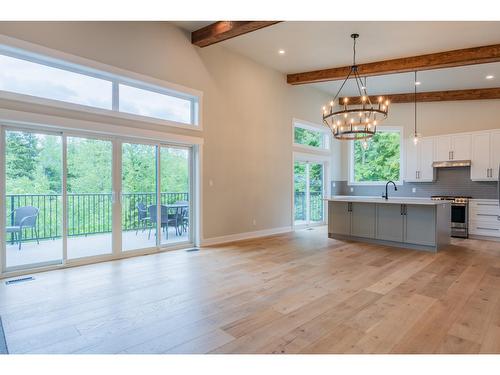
414, 223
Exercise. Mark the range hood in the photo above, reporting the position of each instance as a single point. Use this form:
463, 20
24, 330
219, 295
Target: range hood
451, 163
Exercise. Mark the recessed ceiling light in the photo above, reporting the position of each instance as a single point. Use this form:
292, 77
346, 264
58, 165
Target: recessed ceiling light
490, 77
281, 51
418, 83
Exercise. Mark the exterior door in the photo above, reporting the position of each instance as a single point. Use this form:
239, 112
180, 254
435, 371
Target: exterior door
89, 197
139, 196
33, 233
68, 197
309, 191
175, 194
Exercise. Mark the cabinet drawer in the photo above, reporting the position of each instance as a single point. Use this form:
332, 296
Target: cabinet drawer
484, 215
484, 207
483, 203
484, 230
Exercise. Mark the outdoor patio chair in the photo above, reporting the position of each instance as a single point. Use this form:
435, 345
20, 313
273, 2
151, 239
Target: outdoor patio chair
142, 216
167, 219
24, 217
184, 216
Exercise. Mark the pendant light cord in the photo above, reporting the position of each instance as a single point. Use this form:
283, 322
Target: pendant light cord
415, 100
354, 52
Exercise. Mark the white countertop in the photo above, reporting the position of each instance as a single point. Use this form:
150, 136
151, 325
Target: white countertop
391, 200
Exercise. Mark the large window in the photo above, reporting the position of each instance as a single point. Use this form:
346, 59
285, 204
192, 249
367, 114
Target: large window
42, 77
380, 161
310, 136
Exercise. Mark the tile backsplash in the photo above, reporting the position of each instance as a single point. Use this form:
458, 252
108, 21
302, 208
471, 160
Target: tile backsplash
449, 181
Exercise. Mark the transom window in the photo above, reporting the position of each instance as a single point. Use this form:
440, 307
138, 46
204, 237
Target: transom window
380, 161
310, 136
26, 73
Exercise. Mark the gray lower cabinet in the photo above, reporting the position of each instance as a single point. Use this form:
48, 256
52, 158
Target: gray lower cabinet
416, 226
339, 218
420, 225
363, 220
390, 222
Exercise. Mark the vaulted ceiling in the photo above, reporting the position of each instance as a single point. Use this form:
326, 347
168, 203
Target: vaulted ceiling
311, 45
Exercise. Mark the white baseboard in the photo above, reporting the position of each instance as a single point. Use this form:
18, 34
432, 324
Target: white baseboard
244, 236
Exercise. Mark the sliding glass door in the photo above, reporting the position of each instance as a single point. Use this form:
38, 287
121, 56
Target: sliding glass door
139, 196
89, 186
73, 198
309, 189
175, 190
33, 200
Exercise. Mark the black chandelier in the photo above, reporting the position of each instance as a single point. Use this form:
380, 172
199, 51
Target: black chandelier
356, 119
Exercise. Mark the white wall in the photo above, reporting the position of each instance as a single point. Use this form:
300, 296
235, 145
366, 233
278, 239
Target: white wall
437, 118
248, 111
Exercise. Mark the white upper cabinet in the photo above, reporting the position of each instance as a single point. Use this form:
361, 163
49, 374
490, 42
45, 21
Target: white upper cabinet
485, 156
495, 153
411, 161
443, 148
453, 147
461, 147
481, 149
419, 160
426, 171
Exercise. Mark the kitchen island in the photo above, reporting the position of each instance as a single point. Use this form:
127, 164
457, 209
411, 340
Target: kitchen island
415, 223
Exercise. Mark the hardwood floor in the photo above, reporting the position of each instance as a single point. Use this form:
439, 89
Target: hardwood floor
293, 293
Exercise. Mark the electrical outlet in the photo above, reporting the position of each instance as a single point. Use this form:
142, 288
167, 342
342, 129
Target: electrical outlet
210, 183
333, 184
352, 189
413, 190
254, 222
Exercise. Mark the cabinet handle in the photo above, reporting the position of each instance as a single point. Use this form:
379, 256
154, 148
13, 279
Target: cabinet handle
416, 175
483, 228
401, 209
488, 204
486, 215
449, 155
452, 155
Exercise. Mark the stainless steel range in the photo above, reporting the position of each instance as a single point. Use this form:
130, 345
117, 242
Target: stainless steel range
459, 214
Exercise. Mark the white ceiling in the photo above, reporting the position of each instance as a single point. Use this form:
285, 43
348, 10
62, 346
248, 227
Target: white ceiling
192, 25
311, 45
461, 78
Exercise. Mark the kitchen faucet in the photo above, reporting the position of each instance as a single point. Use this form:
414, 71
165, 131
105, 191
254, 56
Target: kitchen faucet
386, 196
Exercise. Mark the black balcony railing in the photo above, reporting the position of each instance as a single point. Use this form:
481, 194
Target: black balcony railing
316, 202
87, 213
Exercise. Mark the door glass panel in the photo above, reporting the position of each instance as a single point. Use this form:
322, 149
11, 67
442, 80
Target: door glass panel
138, 196
175, 200
89, 196
316, 202
299, 186
33, 165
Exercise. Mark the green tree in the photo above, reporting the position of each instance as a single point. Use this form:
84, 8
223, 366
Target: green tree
380, 161
307, 137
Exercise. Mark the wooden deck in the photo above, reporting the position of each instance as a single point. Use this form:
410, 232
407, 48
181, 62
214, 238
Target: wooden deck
82, 246
293, 293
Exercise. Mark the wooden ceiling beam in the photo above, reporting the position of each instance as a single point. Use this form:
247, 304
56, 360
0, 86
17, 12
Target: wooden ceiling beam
459, 57
436, 96
223, 30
